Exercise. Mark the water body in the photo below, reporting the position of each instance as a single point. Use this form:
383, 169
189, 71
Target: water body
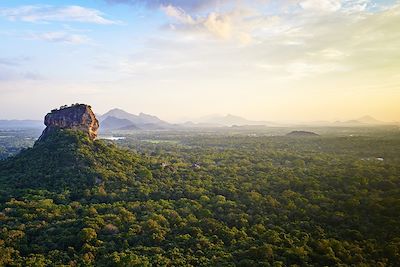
112, 138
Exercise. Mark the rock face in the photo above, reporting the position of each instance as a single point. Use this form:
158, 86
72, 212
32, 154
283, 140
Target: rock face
76, 117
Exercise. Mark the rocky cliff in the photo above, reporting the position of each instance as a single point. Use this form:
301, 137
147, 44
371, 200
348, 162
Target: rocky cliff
76, 117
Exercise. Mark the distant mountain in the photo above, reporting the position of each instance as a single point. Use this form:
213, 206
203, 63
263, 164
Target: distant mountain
369, 120
21, 124
153, 126
129, 127
191, 124
230, 120
362, 121
118, 119
119, 114
146, 118
115, 123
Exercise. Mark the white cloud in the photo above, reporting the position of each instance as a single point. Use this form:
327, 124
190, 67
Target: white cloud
235, 24
186, 4
219, 25
356, 5
321, 5
45, 13
347, 6
295, 45
8, 74
179, 14
60, 37
244, 22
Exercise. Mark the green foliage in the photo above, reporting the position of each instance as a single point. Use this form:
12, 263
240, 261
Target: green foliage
207, 200
69, 163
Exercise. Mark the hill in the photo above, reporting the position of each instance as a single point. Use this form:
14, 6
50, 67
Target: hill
302, 133
67, 161
67, 157
369, 119
364, 121
118, 119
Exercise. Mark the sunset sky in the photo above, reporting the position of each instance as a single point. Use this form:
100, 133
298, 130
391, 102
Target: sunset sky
292, 60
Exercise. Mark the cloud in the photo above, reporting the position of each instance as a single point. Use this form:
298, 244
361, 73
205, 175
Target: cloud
343, 42
46, 13
179, 14
299, 44
357, 5
246, 20
231, 25
13, 69
199, 5
321, 5
348, 6
219, 25
8, 62
12, 62
6, 76
343, 38
59, 37
184, 4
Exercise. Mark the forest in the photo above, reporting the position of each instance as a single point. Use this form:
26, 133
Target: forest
202, 199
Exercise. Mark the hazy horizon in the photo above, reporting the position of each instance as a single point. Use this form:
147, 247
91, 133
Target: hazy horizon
294, 60
206, 117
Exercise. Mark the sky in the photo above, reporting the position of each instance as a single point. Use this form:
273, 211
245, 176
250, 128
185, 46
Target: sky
286, 60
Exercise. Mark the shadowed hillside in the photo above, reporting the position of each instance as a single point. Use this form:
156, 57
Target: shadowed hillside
67, 160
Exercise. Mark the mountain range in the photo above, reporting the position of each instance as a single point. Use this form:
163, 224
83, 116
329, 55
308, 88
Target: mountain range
231, 120
365, 120
118, 119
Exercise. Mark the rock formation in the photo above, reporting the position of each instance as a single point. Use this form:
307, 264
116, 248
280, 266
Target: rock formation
76, 117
